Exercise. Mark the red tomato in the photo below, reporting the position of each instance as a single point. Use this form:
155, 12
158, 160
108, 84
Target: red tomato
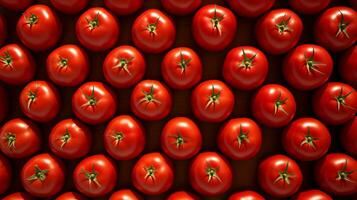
336, 28
17, 65
214, 27
5, 174
245, 67
278, 31
4, 104
124, 138
95, 176
246, 195
39, 28
279, 176
306, 139
273, 105
348, 136
240, 139
67, 65
94, 103
153, 31
69, 6
212, 101
307, 67
97, 29
124, 7
348, 66
180, 7
43, 175
151, 100
181, 68
70, 196
18, 196
182, 195
312, 195
40, 101
125, 194
17, 5
336, 173
335, 103
308, 6
250, 8
181, 138
152, 174
124, 66
3, 28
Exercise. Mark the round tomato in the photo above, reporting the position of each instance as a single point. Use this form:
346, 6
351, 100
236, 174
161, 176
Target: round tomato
348, 136
124, 7
94, 103
18, 196
125, 194
278, 31
4, 104
124, 138
308, 6
97, 29
124, 66
246, 195
250, 8
152, 174
17, 5
69, 6
153, 31
182, 195
348, 66
3, 28
180, 7
70, 196
95, 176
245, 67
5, 174
312, 195
181, 68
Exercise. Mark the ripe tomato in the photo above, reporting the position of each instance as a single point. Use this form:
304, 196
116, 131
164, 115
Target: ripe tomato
311, 195
39, 28
43, 175
70, 196
273, 105
153, 31
152, 174
3, 28
245, 67
17, 5
180, 7
18, 196
124, 7
335, 103
250, 8
278, 31
17, 66
212, 101
348, 136
214, 27
124, 138
40, 101
95, 176
240, 139
336, 28
181, 138
306, 139
181, 68
336, 173
125, 194
246, 195
97, 29
182, 195
151, 100
348, 66
94, 103
124, 66
4, 104
309, 7
69, 6
5, 174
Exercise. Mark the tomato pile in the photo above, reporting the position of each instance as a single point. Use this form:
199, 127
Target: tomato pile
178, 99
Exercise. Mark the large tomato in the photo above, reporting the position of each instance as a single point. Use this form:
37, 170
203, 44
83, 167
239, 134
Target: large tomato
5, 174
250, 8
181, 7
18, 196
311, 195
124, 7
246, 195
70, 196
3, 28
348, 66
4, 103
17, 5
125, 194
348, 136
69, 6
152, 174
308, 6
182, 195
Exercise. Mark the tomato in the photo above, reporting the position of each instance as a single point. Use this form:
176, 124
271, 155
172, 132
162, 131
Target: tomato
309, 7
67, 65
279, 176
125, 194
212, 101
39, 28
214, 27
17, 66
17, 5
181, 68
181, 7
312, 195
3, 28
182, 195
40, 101
124, 66
181, 138
153, 31
151, 100
278, 31
336, 173
307, 67
348, 136
336, 28
70, 196
273, 105
306, 139
94, 103
246, 195
152, 174
95, 176
240, 139
124, 138
250, 8
348, 66
69, 6
97, 29
245, 67
5, 174
18, 196
4, 104
124, 7
335, 103
43, 175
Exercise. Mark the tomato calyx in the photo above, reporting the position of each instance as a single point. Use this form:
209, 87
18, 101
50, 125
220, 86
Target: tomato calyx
343, 174
311, 64
284, 175
309, 140
279, 102
123, 64
211, 173
180, 141
31, 98
213, 99
283, 25
215, 20
242, 136
94, 23
118, 137
91, 176
6, 59
10, 138
149, 96
91, 100
152, 27
150, 173
247, 63
63, 62
183, 63
342, 27
40, 174
341, 100
65, 138
31, 20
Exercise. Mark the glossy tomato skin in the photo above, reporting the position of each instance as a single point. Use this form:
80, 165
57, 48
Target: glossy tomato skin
348, 136
246, 195
250, 8
153, 31
311, 195
348, 66
39, 28
278, 31
181, 68
152, 174
4, 103
124, 66
124, 7
18, 5
213, 37
245, 67
18, 196
309, 7
5, 174
181, 7
70, 196
124, 138
182, 195
3, 28
97, 29
69, 6
125, 194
